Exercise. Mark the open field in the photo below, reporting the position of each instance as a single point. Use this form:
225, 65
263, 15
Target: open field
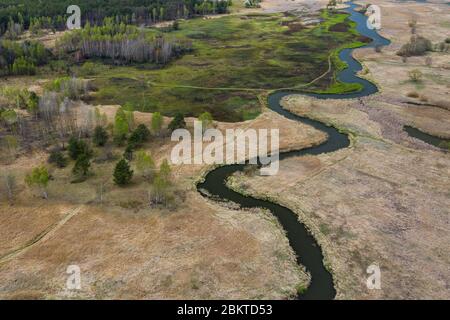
127, 249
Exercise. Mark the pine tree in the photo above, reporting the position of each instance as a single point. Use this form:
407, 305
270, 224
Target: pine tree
122, 173
177, 122
78, 147
82, 165
140, 135
100, 136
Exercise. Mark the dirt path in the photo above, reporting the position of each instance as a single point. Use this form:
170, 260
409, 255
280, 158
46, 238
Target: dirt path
46, 234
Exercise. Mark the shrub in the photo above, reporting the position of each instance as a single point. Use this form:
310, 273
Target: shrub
445, 145
122, 173
89, 69
160, 191
412, 94
39, 177
415, 75
301, 289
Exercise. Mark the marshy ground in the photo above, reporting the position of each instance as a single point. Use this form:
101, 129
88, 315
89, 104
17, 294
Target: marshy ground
384, 200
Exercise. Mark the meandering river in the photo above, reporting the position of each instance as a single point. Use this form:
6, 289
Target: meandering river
308, 252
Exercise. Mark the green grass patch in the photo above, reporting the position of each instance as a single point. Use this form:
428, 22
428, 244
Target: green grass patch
244, 53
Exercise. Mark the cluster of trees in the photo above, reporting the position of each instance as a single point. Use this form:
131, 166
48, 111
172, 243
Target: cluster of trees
50, 117
16, 98
69, 87
14, 29
159, 181
18, 15
211, 6
21, 58
12, 121
417, 46
119, 41
55, 112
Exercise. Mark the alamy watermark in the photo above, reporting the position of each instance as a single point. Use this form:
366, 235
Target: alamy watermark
374, 280
373, 13
74, 21
74, 279
237, 146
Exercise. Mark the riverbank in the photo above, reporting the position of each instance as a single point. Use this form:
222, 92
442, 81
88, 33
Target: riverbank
375, 203
384, 201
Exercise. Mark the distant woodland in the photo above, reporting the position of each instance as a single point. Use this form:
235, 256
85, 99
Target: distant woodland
19, 15
110, 30
122, 42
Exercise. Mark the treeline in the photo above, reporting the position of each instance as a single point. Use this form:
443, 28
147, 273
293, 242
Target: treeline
51, 14
21, 58
122, 42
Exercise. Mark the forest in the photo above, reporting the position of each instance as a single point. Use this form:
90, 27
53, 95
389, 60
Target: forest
122, 42
21, 58
51, 14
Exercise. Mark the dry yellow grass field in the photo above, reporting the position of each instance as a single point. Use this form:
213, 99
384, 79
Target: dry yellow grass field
385, 199
128, 250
